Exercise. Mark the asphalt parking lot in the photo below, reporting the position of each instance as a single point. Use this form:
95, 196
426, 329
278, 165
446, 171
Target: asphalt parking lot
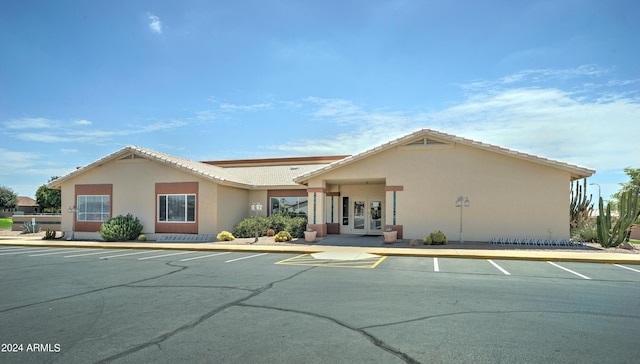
128, 305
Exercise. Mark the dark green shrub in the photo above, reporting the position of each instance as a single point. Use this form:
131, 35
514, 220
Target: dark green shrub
282, 236
247, 227
121, 228
427, 240
296, 226
49, 234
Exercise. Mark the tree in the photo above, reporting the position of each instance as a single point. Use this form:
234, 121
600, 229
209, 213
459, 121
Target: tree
632, 186
49, 199
8, 198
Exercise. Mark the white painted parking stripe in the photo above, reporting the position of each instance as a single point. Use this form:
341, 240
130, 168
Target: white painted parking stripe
622, 266
126, 254
165, 255
27, 251
499, 267
436, 267
250, 256
65, 251
204, 256
102, 251
569, 270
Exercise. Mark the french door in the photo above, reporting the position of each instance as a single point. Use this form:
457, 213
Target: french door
367, 217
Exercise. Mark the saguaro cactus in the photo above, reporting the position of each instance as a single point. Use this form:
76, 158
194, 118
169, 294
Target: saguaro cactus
580, 206
613, 234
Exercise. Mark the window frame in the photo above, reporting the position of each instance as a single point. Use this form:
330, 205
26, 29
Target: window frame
102, 212
186, 208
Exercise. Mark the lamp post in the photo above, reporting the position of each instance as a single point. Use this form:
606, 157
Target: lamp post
462, 202
256, 207
72, 210
595, 184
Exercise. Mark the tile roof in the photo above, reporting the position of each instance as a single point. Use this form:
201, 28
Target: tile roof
577, 172
246, 177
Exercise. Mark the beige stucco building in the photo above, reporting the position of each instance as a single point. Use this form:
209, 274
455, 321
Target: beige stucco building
410, 184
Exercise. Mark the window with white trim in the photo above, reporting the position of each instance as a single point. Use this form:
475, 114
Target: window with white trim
177, 208
96, 208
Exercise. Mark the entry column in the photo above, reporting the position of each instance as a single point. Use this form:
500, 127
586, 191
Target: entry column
316, 210
392, 209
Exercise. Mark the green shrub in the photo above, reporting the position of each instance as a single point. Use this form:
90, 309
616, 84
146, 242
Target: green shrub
438, 238
586, 231
282, 236
121, 228
142, 237
29, 228
247, 227
49, 234
427, 240
225, 236
296, 226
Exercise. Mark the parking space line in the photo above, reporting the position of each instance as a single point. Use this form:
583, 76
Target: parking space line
127, 254
622, 266
165, 255
65, 251
27, 251
568, 270
102, 251
498, 267
204, 256
250, 256
436, 267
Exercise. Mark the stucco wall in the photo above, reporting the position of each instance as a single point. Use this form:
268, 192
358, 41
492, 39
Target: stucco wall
133, 183
509, 197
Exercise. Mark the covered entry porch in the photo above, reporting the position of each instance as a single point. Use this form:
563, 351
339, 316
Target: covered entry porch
353, 207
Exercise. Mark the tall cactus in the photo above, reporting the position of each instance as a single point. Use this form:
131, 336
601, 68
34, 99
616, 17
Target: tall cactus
610, 234
580, 206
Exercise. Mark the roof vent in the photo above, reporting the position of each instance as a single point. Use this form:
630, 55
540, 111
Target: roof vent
294, 168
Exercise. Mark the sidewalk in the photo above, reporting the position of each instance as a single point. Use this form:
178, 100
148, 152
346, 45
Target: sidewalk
348, 244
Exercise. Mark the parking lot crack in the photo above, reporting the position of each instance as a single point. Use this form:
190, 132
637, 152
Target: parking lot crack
181, 268
161, 338
375, 340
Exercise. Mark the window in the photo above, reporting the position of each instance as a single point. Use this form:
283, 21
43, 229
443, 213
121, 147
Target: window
176, 208
93, 207
292, 206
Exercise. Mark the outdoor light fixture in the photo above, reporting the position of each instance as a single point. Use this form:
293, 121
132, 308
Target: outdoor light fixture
462, 202
256, 207
594, 184
72, 210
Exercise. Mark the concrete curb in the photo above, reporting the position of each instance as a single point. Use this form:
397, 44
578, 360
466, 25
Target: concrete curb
545, 255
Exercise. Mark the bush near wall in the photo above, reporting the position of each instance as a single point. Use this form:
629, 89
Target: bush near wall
293, 225
121, 228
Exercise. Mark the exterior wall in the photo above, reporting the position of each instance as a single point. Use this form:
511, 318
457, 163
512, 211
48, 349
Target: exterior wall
50, 221
134, 192
232, 206
509, 197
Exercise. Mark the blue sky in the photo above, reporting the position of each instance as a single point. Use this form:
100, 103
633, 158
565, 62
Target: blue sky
211, 80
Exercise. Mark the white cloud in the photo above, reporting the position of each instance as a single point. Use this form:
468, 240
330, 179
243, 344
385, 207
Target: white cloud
83, 122
155, 24
29, 123
249, 107
69, 150
561, 122
13, 161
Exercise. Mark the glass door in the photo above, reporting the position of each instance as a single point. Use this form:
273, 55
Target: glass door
359, 216
375, 216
